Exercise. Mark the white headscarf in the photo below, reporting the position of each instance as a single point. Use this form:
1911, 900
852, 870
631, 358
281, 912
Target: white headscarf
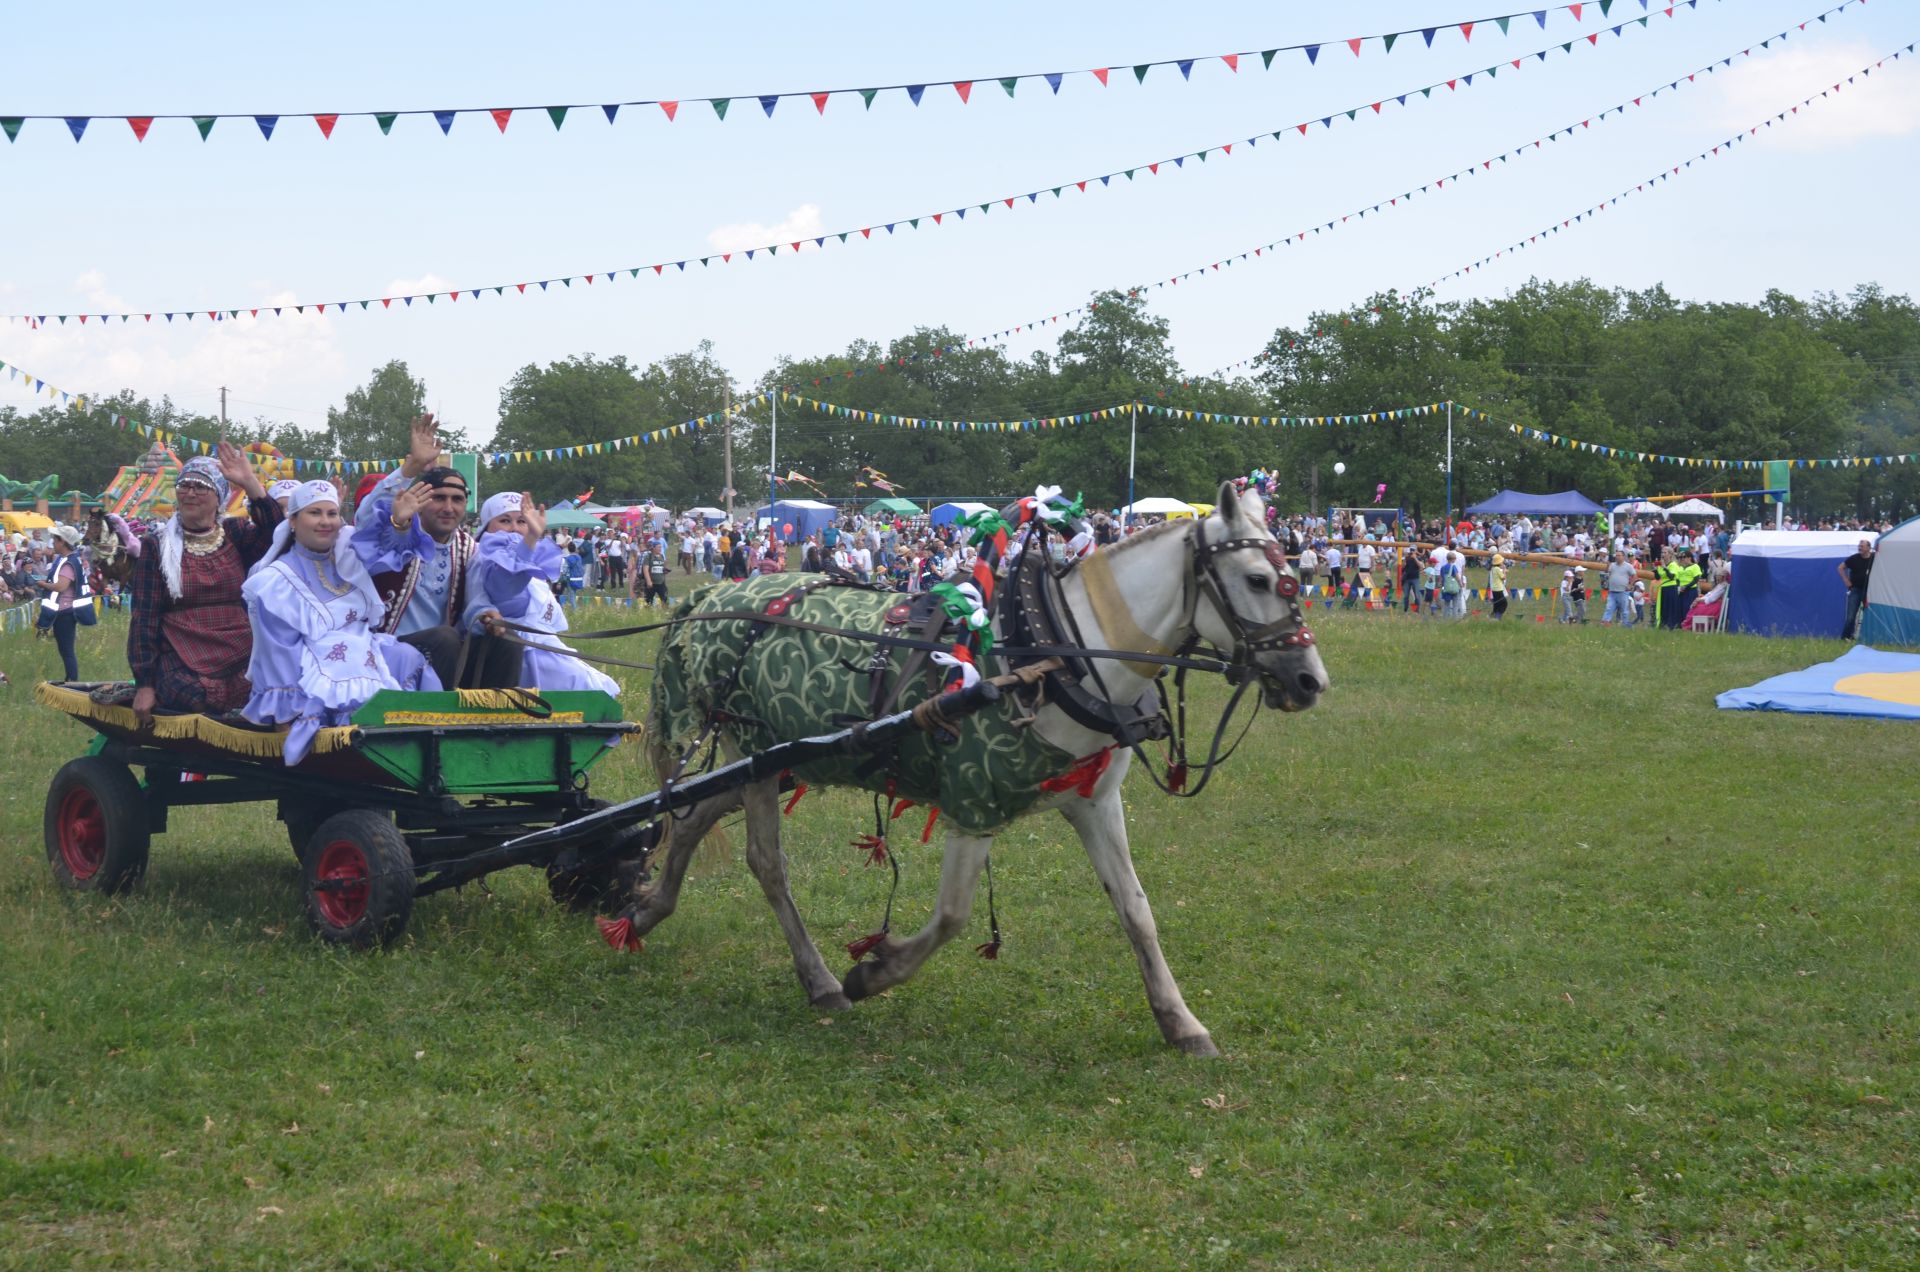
305, 495
285, 486
505, 501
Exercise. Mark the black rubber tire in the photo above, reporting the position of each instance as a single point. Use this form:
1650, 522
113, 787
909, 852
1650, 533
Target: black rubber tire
96, 826
363, 850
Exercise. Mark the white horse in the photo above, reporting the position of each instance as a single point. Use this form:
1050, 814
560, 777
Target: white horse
1222, 579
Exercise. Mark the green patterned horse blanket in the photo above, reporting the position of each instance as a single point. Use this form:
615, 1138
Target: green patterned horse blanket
794, 683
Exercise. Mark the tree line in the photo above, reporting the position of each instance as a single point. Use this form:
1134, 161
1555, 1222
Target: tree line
1782, 378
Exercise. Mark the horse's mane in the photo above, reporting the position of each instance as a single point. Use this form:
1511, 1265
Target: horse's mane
1154, 532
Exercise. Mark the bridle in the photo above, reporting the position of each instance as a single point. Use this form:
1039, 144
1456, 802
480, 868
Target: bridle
1284, 633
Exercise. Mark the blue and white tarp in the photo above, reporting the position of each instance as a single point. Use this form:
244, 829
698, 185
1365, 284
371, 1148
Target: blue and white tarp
1787, 582
1862, 682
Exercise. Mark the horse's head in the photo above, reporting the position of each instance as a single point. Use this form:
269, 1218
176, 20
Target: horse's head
1252, 603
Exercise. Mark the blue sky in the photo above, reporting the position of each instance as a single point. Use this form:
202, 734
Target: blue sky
236, 221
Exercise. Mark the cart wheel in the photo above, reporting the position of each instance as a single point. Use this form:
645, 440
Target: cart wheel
96, 825
359, 880
609, 882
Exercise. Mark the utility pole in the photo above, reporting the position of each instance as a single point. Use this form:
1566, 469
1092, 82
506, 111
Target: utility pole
223, 410
1449, 461
773, 452
1133, 448
726, 449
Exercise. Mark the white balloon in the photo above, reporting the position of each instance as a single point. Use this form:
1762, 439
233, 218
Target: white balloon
1338, 469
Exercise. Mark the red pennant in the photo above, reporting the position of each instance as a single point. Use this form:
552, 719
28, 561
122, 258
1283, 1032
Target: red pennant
1154, 168
1450, 84
522, 287
964, 88
326, 123
1008, 202
386, 302
672, 109
1228, 148
501, 117
867, 232
1302, 128
1466, 31
936, 221
1100, 73
1232, 60
726, 257
253, 313
1354, 44
140, 124
1376, 108
1594, 38
820, 102
1574, 9
1082, 185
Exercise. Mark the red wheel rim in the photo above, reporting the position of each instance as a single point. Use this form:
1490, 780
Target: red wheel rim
343, 863
83, 833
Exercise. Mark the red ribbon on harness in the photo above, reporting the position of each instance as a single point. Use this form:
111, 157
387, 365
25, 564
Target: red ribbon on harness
857, 950
1083, 776
799, 789
874, 847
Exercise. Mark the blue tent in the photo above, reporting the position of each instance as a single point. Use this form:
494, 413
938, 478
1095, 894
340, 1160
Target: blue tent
1787, 582
1892, 616
1568, 503
947, 513
1861, 682
796, 519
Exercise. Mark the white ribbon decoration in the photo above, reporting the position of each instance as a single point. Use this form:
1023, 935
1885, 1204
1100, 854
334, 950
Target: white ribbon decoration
969, 674
1043, 503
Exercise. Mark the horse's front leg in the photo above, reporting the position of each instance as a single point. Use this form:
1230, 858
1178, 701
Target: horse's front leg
654, 901
894, 961
1102, 826
769, 866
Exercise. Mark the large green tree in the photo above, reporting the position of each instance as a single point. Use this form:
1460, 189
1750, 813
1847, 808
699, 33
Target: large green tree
376, 419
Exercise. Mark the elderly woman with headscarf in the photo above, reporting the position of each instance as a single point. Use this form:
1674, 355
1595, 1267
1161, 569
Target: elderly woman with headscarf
189, 640
511, 578
317, 657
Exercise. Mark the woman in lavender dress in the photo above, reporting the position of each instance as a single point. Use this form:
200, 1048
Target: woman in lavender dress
316, 658
510, 577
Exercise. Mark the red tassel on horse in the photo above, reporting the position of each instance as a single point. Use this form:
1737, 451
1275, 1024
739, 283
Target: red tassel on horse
1176, 778
618, 933
799, 789
1083, 776
991, 950
901, 806
857, 950
874, 847
926, 832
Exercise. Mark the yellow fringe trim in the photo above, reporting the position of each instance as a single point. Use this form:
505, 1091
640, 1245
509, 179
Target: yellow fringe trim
460, 717
187, 728
498, 699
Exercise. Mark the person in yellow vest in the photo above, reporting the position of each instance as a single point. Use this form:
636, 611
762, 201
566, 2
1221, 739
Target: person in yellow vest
1684, 577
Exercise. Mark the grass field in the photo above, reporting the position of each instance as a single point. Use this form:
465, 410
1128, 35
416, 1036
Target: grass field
1520, 954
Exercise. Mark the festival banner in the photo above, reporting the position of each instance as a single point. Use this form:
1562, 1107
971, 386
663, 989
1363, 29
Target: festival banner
1689, 461
444, 118
1004, 203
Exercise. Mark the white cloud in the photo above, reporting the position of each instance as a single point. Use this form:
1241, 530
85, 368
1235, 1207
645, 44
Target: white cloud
420, 286
1883, 104
186, 360
801, 225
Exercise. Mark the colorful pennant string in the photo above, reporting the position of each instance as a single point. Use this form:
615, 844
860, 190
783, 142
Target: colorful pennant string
587, 450
1658, 178
354, 467
1008, 202
669, 108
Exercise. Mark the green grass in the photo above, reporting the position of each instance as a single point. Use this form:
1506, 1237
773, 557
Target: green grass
1520, 953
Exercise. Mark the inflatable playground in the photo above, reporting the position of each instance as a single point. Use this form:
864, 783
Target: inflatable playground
141, 490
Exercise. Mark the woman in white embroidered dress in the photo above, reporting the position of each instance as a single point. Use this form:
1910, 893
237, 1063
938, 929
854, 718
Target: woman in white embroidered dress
312, 602
510, 576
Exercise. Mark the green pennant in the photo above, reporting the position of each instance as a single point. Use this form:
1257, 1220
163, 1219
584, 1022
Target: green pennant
430, 297
632, 273
385, 121
558, 114
1641, 21
1140, 72
1427, 91
1056, 192
985, 208
1008, 84
773, 249
1266, 59
566, 282
1201, 155
1503, 25
915, 223
867, 95
1491, 71
12, 126
843, 236
1351, 113
1129, 174
1389, 39
205, 124
1604, 6
720, 105
365, 303
1567, 47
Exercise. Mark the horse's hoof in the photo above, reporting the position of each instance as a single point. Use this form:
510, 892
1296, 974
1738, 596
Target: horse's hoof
833, 1002
855, 982
1198, 1045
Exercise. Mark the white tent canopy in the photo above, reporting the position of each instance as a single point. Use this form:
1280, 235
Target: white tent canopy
1644, 508
1696, 508
1158, 506
711, 516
